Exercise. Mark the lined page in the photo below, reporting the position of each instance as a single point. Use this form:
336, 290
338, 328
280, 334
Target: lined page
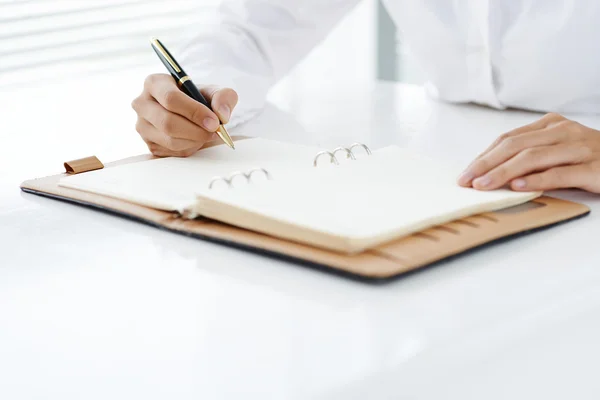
373, 199
172, 183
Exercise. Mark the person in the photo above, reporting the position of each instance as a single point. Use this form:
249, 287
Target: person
539, 55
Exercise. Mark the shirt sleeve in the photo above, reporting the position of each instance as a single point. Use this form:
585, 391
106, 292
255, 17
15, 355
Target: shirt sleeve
250, 44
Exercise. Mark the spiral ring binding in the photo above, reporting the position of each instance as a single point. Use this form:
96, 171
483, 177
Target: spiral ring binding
217, 179
360, 145
231, 177
235, 174
264, 171
349, 153
348, 150
332, 158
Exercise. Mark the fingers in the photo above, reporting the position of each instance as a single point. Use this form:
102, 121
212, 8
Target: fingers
508, 148
152, 135
170, 124
551, 153
222, 101
163, 89
541, 123
573, 176
160, 151
530, 160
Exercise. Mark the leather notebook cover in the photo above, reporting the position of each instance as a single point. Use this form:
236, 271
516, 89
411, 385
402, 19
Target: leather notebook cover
390, 260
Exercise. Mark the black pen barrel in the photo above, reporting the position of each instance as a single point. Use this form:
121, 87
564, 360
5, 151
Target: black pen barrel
191, 90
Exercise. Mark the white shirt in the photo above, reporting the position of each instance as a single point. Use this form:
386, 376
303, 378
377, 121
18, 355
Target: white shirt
541, 55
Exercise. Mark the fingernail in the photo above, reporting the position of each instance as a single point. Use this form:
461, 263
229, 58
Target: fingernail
225, 112
484, 181
519, 183
465, 178
211, 124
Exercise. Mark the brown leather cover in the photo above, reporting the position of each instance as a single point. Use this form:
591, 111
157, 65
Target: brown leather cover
390, 260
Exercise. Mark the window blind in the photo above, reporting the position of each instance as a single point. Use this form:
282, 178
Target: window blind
41, 37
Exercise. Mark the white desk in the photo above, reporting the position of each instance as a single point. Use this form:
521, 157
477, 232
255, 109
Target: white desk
96, 307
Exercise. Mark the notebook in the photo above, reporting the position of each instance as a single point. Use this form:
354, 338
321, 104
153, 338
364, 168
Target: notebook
345, 200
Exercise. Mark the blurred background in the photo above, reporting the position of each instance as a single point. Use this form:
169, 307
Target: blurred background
43, 40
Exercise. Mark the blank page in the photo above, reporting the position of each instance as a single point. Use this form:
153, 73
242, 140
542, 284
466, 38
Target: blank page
368, 201
172, 183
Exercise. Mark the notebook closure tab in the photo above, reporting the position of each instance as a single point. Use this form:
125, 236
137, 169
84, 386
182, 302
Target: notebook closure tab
83, 165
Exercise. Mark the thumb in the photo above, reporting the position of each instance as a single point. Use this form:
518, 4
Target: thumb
222, 100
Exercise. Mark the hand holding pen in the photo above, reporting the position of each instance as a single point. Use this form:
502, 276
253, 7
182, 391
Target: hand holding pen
174, 120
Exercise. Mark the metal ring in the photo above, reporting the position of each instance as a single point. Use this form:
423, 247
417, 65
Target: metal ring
360, 145
219, 178
332, 158
349, 153
237, 173
183, 80
264, 171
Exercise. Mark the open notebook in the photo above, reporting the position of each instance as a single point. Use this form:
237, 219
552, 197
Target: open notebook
364, 199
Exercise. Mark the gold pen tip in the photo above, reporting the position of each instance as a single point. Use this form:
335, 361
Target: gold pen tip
224, 135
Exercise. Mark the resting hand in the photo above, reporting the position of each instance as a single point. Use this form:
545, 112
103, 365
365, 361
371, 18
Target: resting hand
551, 153
172, 123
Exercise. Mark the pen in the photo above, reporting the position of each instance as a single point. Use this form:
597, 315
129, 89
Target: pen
185, 84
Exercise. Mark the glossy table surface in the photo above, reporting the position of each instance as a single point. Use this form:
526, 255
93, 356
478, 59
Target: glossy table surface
93, 306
